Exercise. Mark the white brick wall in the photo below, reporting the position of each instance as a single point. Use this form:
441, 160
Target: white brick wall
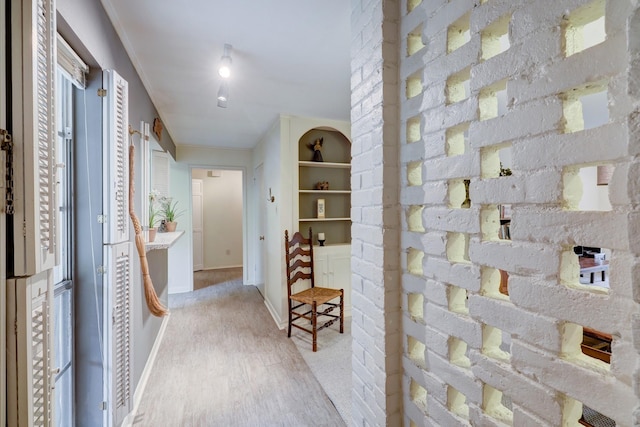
376, 321
540, 372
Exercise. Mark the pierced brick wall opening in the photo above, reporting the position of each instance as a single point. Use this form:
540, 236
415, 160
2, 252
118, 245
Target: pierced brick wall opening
577, 413
495, 38
414, 41
414, 261
492, 404
458, 247
458, 86
414, 174
585, 107
457, 403
493, 100
457, 140
458, 300
412, 4
458, 33
415, 350
458, 190
415, 304
586, 268
495, 161
581, 191
414, 219
494, 283
458, 353
573, 350
413, 130
494, 344
418, 395
584, 27
414, 85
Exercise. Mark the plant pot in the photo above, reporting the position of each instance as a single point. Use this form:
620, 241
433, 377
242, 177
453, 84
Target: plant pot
151, 234
170, 225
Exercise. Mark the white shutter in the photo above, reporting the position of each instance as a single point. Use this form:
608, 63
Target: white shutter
118, 316
116, 158
33, 82
31, 370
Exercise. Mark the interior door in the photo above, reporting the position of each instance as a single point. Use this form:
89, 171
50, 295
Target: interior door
198, 227
260, 227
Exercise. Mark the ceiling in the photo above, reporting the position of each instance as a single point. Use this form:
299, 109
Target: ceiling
289, 57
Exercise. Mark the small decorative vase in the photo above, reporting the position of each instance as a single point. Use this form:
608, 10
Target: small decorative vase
170, 225
152, 234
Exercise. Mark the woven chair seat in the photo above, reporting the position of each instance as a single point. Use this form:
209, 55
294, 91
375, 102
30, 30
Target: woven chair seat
319, 295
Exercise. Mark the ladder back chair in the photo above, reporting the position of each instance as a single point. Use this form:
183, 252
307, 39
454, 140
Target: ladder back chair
305, 300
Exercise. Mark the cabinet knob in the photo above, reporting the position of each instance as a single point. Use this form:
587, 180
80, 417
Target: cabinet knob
261, 237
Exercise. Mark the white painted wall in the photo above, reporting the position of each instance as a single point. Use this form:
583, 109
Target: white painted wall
222, 213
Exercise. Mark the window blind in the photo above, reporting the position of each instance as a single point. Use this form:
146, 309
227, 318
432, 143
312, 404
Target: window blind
71, 64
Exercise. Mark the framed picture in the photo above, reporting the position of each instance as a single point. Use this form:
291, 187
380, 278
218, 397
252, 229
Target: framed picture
321, 209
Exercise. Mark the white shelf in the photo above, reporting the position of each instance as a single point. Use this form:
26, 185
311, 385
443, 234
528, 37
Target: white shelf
326, 191
323, 219
163, 240
308, 164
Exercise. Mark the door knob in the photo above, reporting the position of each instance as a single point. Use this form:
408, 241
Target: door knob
261, 237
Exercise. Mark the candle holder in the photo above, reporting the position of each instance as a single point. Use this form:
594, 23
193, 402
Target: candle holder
321, 242
321, 239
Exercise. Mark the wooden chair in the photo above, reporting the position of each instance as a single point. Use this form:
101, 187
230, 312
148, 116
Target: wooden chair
306, 304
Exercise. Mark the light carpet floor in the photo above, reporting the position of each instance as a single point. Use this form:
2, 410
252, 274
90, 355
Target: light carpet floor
223, 362
331, 364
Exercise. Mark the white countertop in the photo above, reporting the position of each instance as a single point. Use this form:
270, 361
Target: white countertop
164, 240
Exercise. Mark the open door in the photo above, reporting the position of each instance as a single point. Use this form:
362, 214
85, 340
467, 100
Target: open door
196, 205
260, 228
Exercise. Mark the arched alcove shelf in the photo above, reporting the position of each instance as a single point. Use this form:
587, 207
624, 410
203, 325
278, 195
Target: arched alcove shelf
335, 169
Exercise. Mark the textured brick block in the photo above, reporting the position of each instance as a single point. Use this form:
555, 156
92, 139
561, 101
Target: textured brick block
520, 389
532, 327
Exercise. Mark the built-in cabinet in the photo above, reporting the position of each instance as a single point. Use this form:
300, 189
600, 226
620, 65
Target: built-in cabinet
332, 262
332, 267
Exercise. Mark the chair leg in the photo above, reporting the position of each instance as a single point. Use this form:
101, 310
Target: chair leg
290, 317
342, 312
314, 323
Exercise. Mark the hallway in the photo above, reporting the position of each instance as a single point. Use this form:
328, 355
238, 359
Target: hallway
223, 362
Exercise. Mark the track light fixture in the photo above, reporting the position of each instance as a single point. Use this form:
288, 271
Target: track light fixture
225, 72
223, 94
225, 62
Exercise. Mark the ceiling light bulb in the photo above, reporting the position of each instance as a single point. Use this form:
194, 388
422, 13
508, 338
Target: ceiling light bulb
225, 67
225, 62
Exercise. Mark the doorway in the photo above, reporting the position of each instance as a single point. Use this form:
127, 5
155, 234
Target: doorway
217, 209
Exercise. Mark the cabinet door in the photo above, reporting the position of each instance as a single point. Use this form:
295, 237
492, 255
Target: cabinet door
340, 275
320, 269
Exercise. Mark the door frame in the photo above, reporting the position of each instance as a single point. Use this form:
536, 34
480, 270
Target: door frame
4, 81
245, 208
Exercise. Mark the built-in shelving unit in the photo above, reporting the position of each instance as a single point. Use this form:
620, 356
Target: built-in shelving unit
334, 169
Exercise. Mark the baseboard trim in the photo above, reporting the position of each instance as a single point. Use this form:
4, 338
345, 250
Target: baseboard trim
279, 323
146, 374
220, 268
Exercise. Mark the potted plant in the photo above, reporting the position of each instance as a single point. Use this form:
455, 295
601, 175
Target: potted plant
170, 213
153, 216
